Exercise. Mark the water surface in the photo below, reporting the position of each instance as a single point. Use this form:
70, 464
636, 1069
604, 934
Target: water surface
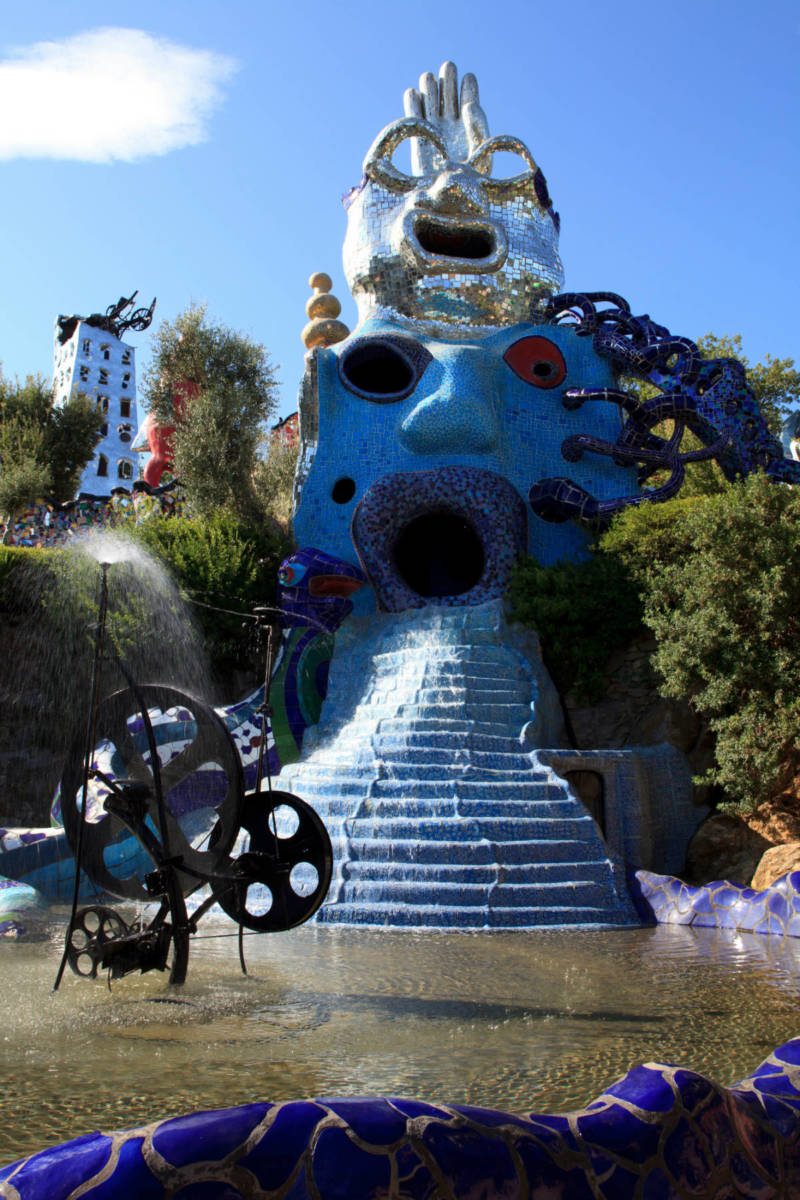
538, 1021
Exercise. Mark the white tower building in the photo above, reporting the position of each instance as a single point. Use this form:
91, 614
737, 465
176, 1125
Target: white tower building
90, 357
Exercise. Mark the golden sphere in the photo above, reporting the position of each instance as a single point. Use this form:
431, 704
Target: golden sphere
320, 282
323, 304
324, 332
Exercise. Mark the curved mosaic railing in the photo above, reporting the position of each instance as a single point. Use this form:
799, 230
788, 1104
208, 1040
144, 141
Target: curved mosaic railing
720, 905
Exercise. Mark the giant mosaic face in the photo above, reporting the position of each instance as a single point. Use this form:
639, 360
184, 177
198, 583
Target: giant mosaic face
427, 449
451, 243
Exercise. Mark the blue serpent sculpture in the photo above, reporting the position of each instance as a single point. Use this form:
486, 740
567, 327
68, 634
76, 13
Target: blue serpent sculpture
659, 1133
709, 397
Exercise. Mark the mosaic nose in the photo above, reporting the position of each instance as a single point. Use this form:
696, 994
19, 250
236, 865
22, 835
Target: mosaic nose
455, 191
458, 418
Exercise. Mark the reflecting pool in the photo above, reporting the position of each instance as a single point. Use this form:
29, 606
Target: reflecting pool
538, 1021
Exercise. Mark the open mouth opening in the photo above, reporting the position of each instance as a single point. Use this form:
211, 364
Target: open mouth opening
448, 537
455, 241
450, 243
439, 554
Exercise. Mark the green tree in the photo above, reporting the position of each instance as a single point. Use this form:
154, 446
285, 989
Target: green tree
720, 582
224, 567
218, 433
43, 449
775, 381
274, 479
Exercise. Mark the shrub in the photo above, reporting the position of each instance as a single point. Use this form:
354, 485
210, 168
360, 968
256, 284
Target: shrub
219, 563
582, 612
724, 606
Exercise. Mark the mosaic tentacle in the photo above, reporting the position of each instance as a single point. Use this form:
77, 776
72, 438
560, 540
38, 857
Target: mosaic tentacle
709, 397
659, 1131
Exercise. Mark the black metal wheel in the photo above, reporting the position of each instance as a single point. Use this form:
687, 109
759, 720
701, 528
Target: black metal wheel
93, 927
200, 814
285, 873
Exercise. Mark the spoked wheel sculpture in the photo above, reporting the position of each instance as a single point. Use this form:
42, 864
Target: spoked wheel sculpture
157, 814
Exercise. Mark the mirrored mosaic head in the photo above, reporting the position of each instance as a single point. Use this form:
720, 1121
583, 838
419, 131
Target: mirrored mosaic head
450, 243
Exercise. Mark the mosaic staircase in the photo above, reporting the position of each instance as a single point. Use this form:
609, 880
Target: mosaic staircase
438, 815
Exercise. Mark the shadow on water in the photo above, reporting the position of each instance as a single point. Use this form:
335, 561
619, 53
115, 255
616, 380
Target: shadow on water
462, 1010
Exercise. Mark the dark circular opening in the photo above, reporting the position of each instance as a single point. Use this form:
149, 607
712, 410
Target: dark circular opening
377, 370
544, 370
343, 490
455, 241
439, 554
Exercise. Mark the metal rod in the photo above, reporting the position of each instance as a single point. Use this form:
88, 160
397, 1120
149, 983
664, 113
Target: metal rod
91, 728
265, 714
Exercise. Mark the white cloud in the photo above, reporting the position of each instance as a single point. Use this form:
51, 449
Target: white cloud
107, 94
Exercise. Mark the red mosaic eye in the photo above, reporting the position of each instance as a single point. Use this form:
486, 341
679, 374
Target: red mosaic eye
537, 360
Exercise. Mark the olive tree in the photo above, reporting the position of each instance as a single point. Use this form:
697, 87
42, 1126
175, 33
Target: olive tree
220, 417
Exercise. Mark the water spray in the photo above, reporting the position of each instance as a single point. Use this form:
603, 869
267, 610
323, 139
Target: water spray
154, 857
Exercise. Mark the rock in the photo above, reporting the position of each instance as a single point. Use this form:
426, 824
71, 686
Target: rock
724, 847
778, 820
775, 863
630, 712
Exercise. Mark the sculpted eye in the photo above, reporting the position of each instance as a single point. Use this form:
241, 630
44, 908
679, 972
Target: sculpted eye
502, 150
378, 164
383, 369
537, 360
291, 574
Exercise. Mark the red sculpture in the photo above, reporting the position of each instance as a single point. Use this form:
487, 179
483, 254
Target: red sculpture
159, 437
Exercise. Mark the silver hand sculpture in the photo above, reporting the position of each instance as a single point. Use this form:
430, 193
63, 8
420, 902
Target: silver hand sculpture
460, 121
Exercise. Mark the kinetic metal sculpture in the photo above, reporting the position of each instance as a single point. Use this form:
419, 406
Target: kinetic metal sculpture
112, 320
117, 323
161, 820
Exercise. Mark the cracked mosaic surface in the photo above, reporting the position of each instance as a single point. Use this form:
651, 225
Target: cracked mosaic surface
721, 905
482, 499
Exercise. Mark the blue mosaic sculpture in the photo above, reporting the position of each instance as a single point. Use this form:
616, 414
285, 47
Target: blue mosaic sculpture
720, 905
424, 443
709, 397
462, 392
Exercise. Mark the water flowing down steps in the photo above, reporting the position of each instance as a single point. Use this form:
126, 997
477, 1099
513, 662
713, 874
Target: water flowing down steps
440, 817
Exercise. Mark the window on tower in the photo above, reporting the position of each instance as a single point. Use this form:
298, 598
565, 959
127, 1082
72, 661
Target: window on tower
102, 465
103, 375
126, 378
102, 403
106, 348
124, 407
125, 469
84, 374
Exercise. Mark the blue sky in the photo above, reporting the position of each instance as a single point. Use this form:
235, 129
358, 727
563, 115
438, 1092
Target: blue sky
199, 153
